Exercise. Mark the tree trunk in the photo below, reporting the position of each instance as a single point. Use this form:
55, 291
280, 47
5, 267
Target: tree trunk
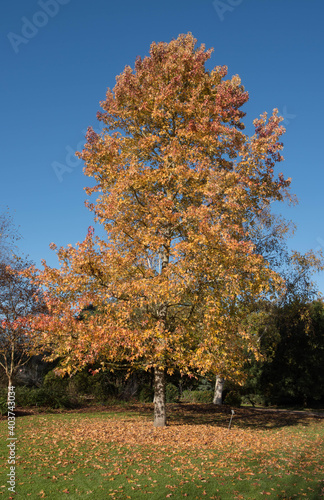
159, 373
10, 380
9, 388
218, 395
159, 398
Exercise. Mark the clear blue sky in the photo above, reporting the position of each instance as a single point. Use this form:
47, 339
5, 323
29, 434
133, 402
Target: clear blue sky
59, 57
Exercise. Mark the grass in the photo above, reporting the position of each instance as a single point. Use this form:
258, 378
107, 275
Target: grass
116, 453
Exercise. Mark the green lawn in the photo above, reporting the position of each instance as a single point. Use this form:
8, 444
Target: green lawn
118, 454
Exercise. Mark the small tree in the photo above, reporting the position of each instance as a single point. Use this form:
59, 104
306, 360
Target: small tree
19, 302
282, 325
8, 236
294, 371
180, 187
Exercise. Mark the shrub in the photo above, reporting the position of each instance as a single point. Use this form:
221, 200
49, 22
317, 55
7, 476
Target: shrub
146, 394
205, 385
103, 390
197, 396
50, 399
56, 392
3, 405
81, 383
26, 397
55, 383
253, 399
101, 387
187, 396
171, 393
204, 396
233, 399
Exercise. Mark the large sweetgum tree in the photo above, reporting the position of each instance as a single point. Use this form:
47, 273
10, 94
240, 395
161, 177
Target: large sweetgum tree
181, 189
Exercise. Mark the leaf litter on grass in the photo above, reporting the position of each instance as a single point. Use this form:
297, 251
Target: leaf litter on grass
130, 454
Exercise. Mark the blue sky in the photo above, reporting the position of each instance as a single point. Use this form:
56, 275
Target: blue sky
59, 57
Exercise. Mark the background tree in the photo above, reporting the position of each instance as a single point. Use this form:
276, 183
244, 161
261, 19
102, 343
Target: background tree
179, 186
19, 300
294, 373
268, 232
8, 236
280, 323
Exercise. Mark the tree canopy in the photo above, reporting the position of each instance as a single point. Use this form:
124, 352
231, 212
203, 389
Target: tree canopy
20, 301
181, 190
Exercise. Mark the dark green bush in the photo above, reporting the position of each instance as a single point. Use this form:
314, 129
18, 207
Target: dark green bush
43, 397
146, 394
171, 393
3, 405
253, 399
204, 396
104, 390
81, 383
26, 396
101, 387
52, 399
233, 399
205, 385
197, 396
55, 383
187, 396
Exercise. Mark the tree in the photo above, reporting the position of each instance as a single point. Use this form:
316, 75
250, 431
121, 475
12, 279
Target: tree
8, 236
218, 394
268, 233
284, 325
180, 186
19, 301
296, 269
294, 372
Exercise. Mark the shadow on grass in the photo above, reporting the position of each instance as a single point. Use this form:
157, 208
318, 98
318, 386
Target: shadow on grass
243, 417
193, 414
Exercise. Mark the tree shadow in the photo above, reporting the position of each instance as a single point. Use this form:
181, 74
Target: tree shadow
243, 418
193, 414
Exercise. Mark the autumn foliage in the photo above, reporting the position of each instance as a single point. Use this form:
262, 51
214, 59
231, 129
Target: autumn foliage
180, 188
20, 303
